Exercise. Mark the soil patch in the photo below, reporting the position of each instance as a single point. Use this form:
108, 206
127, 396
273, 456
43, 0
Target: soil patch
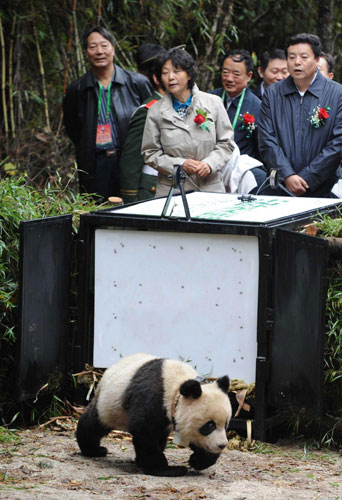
42, 463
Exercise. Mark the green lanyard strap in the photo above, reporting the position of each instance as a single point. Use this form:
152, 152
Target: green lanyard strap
238, 108
100, 100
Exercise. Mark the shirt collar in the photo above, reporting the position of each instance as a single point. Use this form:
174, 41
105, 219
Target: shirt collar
176, 104
288, 85
314, 78
233, 100
113, 79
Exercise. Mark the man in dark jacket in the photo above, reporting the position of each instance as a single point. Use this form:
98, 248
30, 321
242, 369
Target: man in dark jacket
300, 123
97, 108
237, 71
242, 105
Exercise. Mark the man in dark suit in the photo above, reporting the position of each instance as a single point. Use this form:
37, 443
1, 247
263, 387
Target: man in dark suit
242, 105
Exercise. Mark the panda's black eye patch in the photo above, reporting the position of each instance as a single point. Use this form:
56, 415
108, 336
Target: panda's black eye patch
208, 428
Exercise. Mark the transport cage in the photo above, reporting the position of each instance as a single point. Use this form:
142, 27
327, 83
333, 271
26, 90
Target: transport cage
233, 289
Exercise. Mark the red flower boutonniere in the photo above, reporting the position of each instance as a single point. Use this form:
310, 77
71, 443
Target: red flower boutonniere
248, 123
319, 116
201, 120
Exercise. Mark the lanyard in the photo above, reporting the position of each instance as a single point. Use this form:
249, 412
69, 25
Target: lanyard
238, 108
100, 101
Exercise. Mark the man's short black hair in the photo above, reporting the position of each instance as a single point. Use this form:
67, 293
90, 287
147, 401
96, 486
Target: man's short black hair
241, 55
269, 55
180, 59
330, 61
98, 29
313, 40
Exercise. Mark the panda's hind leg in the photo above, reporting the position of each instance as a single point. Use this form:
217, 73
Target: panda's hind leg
90, 431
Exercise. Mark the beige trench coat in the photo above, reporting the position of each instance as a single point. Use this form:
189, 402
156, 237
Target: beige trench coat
169, 140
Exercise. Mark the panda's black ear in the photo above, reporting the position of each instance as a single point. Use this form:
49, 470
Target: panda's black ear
223, 383
191, 388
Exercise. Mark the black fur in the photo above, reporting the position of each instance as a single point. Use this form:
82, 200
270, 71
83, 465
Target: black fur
201, 459
191, 388
223, 383
208, 428
90, 431
148, 422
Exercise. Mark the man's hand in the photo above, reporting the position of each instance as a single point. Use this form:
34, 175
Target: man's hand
199, 168
296, 184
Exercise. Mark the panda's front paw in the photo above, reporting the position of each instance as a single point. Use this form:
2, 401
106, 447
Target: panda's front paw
95, 451
170, 471
202, 459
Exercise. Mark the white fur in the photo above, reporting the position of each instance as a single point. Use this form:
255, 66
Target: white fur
190, 414
112, 386
174, 374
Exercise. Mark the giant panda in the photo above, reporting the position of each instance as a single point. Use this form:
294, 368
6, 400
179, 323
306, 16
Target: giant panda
149, 397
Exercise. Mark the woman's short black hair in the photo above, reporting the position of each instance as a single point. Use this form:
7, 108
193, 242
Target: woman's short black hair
180, 59
313, 40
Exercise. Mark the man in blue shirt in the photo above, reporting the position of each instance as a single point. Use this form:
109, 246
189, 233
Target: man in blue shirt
300, 123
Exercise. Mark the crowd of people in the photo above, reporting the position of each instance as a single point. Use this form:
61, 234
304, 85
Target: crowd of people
132, 130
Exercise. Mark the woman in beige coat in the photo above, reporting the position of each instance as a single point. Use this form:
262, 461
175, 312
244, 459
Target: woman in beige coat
186, 127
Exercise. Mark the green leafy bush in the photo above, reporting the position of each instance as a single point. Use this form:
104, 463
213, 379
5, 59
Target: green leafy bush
20, 202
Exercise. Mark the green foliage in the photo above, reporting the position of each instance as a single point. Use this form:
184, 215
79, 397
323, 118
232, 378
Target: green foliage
208, 28
332, 435
333, 357
330, 227
8, 436
19, 202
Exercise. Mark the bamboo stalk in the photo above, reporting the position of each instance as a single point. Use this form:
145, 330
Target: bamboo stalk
79, 52
17, 75
10, 78
42, 72
99, 12
3, 80
220, 24
67, 66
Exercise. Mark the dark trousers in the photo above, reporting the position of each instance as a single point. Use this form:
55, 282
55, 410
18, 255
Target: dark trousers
105, 178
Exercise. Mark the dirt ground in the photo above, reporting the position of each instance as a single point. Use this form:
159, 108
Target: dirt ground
45, 463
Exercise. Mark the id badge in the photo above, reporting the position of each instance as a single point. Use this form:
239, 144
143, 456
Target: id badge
104, 135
